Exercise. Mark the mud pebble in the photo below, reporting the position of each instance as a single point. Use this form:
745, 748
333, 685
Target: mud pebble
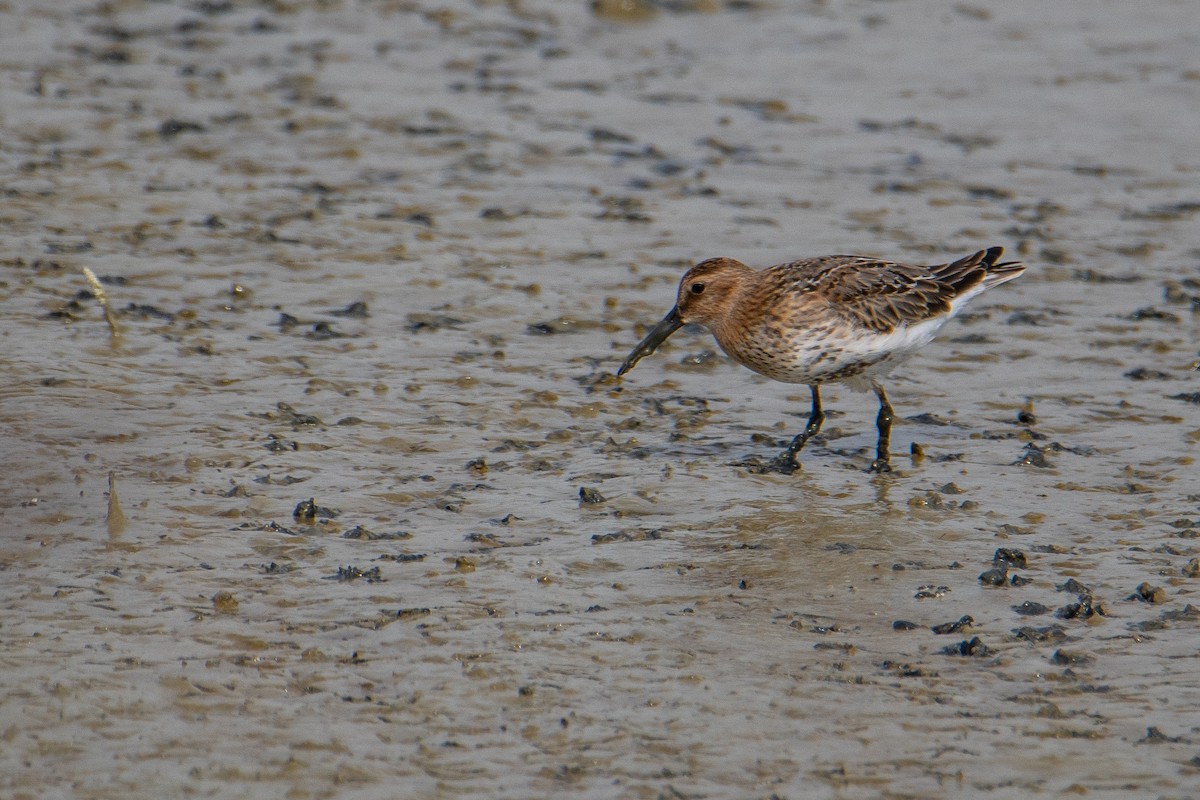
363, 534
1156, 736
1064, 658
626, 536
1148, 593
412, 613
590, 496
269, 527
1020, 580
930, 500
624, 209
1192, 568
224, 603
1031, 609
1073, 586
464, 564
972, 647
144, 311
308, 510
286, 480
1187, 397
402, 557
431, 322
929, 591
351, 573
1026, 416
356, 310
905, 670
293, 417
1152, 313
1144, 374
321, 331
1032, 457
607, 135
1005, 556
174, 127
1056, 549
1049, 633
1086, 608
997, 576
550, 327
904, 625
958, 626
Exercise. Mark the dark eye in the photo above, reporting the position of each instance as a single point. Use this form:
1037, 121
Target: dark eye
697, 288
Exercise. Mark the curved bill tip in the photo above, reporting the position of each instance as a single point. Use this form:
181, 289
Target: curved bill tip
657, 335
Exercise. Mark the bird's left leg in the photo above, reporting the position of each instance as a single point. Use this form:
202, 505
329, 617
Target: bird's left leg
884, 423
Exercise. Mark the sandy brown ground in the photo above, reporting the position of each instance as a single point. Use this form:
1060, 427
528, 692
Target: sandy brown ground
386, 257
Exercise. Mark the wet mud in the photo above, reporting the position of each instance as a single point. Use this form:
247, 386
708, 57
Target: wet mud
336, 494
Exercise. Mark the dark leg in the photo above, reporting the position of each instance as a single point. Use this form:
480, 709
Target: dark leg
787, 463
884, 423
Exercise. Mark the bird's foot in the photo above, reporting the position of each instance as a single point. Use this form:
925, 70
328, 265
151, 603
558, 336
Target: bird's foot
785, 464
879, 466
780, 465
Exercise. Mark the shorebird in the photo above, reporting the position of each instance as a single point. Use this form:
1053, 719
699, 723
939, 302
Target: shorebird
848, 319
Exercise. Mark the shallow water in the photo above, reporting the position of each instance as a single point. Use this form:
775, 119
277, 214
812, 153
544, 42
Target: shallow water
513, 190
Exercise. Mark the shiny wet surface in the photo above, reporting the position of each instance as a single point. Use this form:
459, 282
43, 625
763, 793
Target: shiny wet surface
387, 259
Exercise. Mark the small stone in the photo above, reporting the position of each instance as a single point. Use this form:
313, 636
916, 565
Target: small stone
1007, 556
1064, 658
224, 603
1086, 608
994, 577
590, 496
1156, 736
1026, 416
1073, 586
1149, 594
1030, 609
1050, 633
973, 647
958, 626
1033, 457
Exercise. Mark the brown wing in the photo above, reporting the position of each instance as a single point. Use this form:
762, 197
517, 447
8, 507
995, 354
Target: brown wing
883, 295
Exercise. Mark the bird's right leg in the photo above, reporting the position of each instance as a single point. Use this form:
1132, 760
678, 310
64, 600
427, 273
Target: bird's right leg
787, 463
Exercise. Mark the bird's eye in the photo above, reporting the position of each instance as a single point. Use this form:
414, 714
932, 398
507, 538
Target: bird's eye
697, 288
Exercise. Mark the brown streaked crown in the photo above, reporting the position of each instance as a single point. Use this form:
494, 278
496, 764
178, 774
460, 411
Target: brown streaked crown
709, 291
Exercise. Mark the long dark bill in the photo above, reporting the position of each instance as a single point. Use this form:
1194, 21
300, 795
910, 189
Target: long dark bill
670, 323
